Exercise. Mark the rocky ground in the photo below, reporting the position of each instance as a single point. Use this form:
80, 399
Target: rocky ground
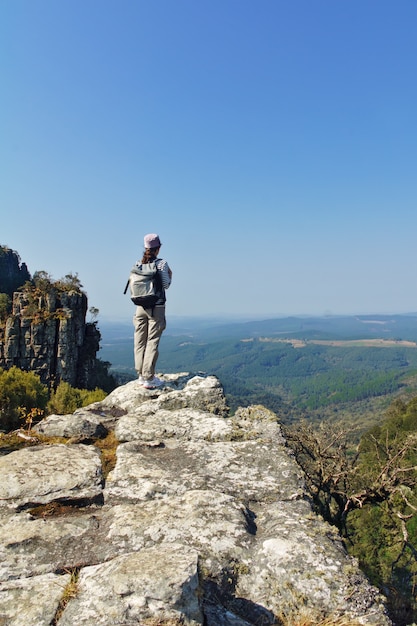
204, 520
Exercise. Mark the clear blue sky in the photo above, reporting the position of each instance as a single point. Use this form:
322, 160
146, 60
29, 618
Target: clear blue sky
271, 144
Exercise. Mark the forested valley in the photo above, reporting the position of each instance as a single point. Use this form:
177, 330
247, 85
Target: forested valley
313, 380
346, 369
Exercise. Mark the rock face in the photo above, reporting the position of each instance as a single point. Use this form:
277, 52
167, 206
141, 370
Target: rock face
13, 273
46, 331
51, 338
203, 520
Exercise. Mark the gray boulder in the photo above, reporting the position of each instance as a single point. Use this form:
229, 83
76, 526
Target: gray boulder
46, 473
81, 425
152, 584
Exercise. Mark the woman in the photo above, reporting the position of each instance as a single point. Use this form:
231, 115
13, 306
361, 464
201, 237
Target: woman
150, 323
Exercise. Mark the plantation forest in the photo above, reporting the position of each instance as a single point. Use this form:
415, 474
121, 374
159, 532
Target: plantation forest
346, 368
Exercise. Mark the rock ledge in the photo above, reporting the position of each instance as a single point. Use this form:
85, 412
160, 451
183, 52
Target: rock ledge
203, 520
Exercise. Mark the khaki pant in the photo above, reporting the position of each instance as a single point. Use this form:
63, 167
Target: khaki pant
148, 331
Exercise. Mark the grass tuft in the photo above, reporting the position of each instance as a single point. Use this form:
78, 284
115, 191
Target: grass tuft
70, 592
107, 446
309, 619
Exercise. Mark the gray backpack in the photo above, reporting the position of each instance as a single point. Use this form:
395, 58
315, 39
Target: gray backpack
145, 285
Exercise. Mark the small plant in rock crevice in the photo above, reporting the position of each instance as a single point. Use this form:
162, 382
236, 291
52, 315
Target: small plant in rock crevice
107, 446
70, 592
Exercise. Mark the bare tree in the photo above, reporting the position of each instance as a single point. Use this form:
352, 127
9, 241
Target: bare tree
342, 476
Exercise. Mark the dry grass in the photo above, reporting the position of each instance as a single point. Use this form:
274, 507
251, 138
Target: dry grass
308, 619
170, 621
58, 509
17, 439
70, 592
107, 446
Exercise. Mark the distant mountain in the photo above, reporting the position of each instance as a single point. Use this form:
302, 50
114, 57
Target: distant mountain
330, 327
335, 327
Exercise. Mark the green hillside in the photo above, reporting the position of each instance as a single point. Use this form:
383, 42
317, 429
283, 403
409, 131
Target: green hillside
339, 368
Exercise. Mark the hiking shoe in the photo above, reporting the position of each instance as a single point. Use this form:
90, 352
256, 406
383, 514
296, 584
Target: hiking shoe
154, 382
141, 380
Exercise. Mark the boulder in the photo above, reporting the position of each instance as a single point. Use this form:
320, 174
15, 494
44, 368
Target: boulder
152, 584
81, 424
45, 473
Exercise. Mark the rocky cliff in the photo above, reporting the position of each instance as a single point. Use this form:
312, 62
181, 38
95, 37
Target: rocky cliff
47, 333
204, 519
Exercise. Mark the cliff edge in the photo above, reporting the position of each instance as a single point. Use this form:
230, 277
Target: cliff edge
203, 520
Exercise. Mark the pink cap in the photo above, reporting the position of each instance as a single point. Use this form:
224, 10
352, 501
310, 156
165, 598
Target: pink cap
152, 241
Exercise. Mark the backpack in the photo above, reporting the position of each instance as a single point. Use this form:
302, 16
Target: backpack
145, 285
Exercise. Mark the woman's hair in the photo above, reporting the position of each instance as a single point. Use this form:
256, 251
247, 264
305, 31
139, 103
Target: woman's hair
149, 255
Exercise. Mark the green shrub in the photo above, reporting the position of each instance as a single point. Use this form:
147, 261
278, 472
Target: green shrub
90, 396
5, 305
19, 393
66, 399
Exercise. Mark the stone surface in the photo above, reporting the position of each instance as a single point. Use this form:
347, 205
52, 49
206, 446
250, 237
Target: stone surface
45, 473
178, 392
79, 424
31, 545
299, 561
204, 519
31, 601
151, 583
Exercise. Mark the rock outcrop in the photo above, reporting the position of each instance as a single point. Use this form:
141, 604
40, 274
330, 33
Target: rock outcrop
204, 519
13, 273
50, 337
43, 327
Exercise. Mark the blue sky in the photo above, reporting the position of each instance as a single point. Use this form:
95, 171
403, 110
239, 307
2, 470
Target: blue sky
271, 144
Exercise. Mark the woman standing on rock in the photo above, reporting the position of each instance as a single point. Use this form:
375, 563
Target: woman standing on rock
150, 323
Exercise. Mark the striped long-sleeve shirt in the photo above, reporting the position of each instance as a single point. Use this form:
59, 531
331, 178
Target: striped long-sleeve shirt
165, 274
